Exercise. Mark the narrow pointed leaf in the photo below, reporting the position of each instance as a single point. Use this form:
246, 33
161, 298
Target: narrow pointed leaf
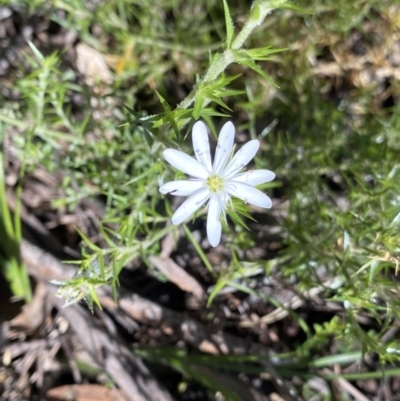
263, 53
198, 105
168, 114
229, 25
217, 100
251, 64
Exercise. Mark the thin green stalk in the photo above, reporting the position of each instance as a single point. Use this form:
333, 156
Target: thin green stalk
10, 236
199, 251
259, 10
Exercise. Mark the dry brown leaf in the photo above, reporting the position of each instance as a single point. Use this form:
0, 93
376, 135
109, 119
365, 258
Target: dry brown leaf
178, 276
32, 314
92, 65
84, 392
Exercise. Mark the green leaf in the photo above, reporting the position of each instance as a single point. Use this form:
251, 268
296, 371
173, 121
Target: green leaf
215, 98
237, 219
237, 208
178, 114
198, 105
36, 52
220, 285
294, 7
168, 114
262, 53
93, 298
214, 91
241, 57
14, 269
229, 26
87, 241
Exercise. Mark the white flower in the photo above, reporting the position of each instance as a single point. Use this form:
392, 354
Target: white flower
215, 182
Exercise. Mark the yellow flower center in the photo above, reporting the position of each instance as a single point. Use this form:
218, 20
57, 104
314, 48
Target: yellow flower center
215, 183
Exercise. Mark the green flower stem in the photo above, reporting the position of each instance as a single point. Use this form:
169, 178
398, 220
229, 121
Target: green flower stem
259, 10
199, 251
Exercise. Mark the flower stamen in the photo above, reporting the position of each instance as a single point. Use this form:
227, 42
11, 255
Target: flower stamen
215, 183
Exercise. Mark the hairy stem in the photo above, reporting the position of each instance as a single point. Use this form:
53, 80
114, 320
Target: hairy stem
260, 9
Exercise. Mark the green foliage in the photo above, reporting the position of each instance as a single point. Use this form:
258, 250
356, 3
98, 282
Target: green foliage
10, 233
230, 29
213, 92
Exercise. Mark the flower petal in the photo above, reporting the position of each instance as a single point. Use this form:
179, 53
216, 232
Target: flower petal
224, 147
255, 177
248, 194
190, 206
214, 226
242, 157
185, 163
182, 188
201, 144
